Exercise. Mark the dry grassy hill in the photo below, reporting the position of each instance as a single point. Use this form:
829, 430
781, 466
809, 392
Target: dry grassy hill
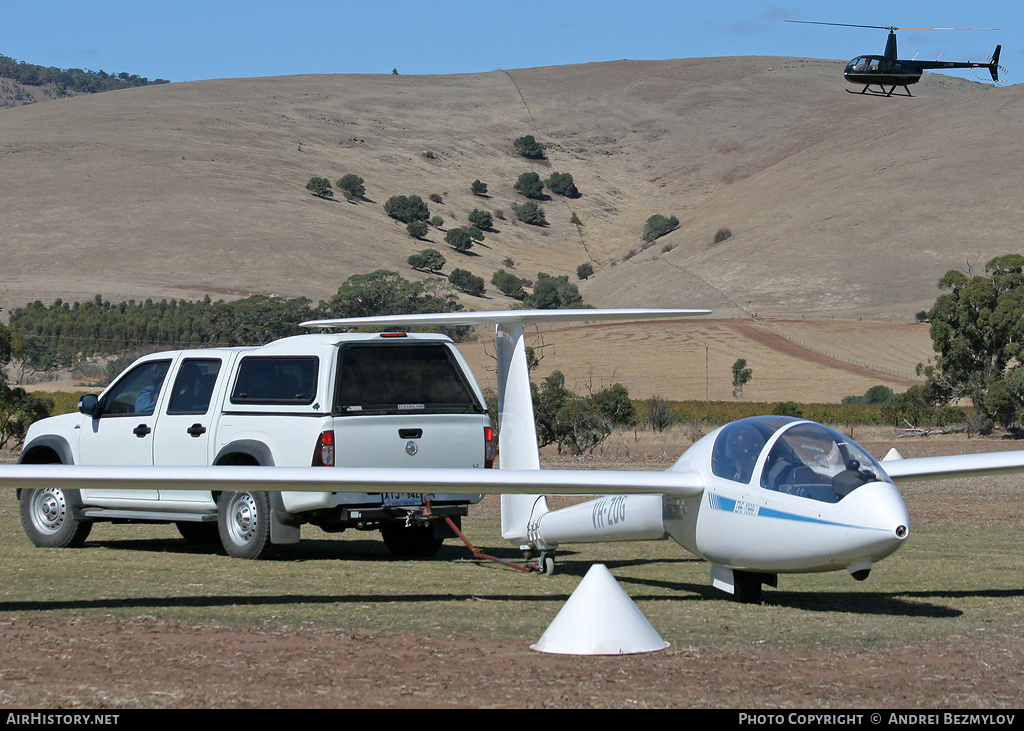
841, 205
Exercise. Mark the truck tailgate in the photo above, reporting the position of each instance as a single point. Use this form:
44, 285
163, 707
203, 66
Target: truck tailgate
415, 441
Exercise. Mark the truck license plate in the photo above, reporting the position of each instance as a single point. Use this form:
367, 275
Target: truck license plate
400, 499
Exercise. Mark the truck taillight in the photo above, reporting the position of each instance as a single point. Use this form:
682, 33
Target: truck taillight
489, 447
323, 455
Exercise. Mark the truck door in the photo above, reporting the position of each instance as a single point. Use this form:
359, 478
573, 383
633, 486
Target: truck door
122, 434
187, 423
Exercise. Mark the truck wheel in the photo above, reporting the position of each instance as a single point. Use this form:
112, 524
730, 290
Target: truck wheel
412, 541
243, 520
47, 519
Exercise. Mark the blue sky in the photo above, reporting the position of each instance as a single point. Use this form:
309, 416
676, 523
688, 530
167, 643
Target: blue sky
189, 40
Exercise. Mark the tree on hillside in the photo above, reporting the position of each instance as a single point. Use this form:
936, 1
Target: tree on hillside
531, 213
416, 229
562, 184
352, 186
459, 239
977, 329
407, 208
430, 260
481, 219
509, 284
554, 293
386, 293
478, 188
657, 226
741, 376
466, 281
530, 185
320, 187
527, 146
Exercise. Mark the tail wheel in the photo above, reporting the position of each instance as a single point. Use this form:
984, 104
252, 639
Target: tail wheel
48, 521
243, 520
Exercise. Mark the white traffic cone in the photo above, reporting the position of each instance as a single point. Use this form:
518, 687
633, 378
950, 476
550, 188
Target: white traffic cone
599, 619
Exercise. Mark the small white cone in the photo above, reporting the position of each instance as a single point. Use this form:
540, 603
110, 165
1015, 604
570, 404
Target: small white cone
599, 619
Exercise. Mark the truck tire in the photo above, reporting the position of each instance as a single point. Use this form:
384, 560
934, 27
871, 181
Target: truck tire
47, 519
413, 541
243, 520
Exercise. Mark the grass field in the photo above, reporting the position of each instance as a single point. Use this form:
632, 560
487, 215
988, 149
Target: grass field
136, 602
945, 581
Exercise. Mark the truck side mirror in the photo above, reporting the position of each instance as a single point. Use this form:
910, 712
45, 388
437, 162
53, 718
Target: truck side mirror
89, 405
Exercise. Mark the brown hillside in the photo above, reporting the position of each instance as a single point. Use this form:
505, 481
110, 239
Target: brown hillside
840, 205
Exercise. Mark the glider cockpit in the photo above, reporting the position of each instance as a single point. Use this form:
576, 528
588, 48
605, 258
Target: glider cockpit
795, 457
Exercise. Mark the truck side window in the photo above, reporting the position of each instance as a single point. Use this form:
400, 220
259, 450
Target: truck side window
276, 380
193, 387
137, 392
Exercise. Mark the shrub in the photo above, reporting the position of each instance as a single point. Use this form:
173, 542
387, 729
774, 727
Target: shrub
722, 234
478, 188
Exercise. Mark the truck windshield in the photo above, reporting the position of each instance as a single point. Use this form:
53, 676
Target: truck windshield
401, 378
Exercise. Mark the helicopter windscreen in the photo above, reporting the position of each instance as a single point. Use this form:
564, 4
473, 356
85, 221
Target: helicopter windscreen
810, 460
862, 64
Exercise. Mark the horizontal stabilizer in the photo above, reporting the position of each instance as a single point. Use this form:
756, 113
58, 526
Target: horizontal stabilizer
355, 479
505, 317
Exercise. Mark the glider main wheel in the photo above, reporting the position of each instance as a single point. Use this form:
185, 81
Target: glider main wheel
747, 587
410, 541
243, 521
48, 520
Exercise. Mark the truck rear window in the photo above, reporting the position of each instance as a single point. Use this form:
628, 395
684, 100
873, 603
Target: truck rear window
401, 379
275, 380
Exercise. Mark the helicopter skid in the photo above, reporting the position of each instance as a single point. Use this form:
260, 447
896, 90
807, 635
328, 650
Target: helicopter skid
881, 91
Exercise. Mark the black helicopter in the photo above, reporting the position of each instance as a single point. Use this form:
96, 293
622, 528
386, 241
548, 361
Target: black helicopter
889, 71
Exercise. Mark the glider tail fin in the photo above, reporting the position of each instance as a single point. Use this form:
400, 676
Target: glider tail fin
517, 433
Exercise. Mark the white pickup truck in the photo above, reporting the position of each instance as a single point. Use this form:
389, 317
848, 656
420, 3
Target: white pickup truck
329, 399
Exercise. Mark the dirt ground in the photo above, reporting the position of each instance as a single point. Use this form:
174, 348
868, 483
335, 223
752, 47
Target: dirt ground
153, 663
144, 661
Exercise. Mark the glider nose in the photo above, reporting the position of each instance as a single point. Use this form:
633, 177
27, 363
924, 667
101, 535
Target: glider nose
880, 510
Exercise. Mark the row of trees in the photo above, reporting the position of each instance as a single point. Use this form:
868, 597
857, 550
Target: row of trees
48, 338
67, 81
